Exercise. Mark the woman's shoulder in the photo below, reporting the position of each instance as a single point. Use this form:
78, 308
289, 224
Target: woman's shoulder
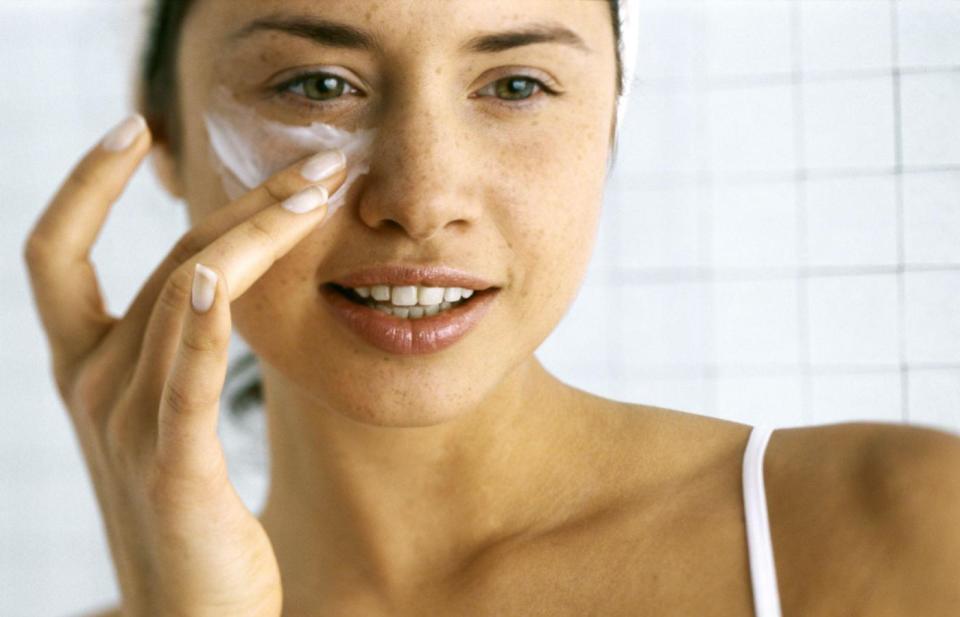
863, 515
866, 512
890, 471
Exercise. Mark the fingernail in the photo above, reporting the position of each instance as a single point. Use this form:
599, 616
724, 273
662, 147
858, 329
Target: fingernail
306, 200
204, 288
322, 166
124, 134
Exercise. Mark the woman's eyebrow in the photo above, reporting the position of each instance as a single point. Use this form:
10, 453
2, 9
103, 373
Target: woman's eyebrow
529, 34
323, 31
338, 34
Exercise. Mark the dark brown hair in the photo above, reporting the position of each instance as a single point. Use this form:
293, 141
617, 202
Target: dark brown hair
158, 96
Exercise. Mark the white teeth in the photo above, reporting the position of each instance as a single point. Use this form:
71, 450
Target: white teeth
429, 296
413, 312
412, 301
412, 295
404, 295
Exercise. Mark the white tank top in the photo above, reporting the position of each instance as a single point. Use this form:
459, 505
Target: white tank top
763, 573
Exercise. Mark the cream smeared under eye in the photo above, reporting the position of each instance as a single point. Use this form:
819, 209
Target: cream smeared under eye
248, 148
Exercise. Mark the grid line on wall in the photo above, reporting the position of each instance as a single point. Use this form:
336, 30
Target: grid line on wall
898, 188
799, 178
759, 80
780, 369
689, 274
669, 179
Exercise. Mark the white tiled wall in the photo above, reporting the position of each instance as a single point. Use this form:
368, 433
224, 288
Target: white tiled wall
779, 240
829, 42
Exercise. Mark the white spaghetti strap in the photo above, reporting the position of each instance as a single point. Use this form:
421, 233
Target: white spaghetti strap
763, 573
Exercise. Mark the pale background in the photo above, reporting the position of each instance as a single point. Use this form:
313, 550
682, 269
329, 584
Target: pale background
779, 243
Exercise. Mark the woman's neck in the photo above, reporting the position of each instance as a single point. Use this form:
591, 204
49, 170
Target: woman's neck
385, 509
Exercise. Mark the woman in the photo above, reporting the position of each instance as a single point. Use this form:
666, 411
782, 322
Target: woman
432, 466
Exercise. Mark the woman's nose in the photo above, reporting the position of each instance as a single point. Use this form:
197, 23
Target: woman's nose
423, 177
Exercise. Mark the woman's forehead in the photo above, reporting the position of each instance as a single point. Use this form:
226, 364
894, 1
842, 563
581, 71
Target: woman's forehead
377, 26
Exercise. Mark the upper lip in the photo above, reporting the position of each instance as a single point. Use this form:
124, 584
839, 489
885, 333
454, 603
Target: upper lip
425, 276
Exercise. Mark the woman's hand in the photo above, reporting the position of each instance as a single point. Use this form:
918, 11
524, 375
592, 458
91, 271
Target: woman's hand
143, 391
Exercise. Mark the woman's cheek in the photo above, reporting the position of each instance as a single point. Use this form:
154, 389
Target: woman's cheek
553, 236
203, 188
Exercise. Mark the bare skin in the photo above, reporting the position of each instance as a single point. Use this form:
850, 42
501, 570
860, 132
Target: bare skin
471, 481
683, 550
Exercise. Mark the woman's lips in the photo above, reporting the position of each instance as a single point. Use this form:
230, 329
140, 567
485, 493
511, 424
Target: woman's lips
409, 336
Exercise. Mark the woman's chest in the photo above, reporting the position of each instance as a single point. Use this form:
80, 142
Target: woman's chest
687, 554
690, 559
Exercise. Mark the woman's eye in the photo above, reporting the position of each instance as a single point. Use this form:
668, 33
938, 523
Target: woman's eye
515, 88
320, 87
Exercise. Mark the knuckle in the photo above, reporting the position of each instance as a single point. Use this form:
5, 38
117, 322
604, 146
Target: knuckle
176, 290
84, 178
201, 342
88, 174
186, 247
37, 249
263, 232
179, 399
273, 189
91, 391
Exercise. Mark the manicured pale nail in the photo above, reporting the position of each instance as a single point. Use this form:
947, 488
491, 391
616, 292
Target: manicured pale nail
306, 200
204, 288
124, 134
322, 166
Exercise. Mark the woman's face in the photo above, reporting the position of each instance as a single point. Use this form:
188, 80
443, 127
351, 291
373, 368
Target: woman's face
469, 169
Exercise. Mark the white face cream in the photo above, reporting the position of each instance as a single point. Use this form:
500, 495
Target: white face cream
248, 148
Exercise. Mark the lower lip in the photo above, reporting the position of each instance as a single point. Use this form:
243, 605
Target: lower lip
401, 336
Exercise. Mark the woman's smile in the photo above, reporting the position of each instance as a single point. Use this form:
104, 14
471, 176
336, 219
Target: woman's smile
408, 330
409, 309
